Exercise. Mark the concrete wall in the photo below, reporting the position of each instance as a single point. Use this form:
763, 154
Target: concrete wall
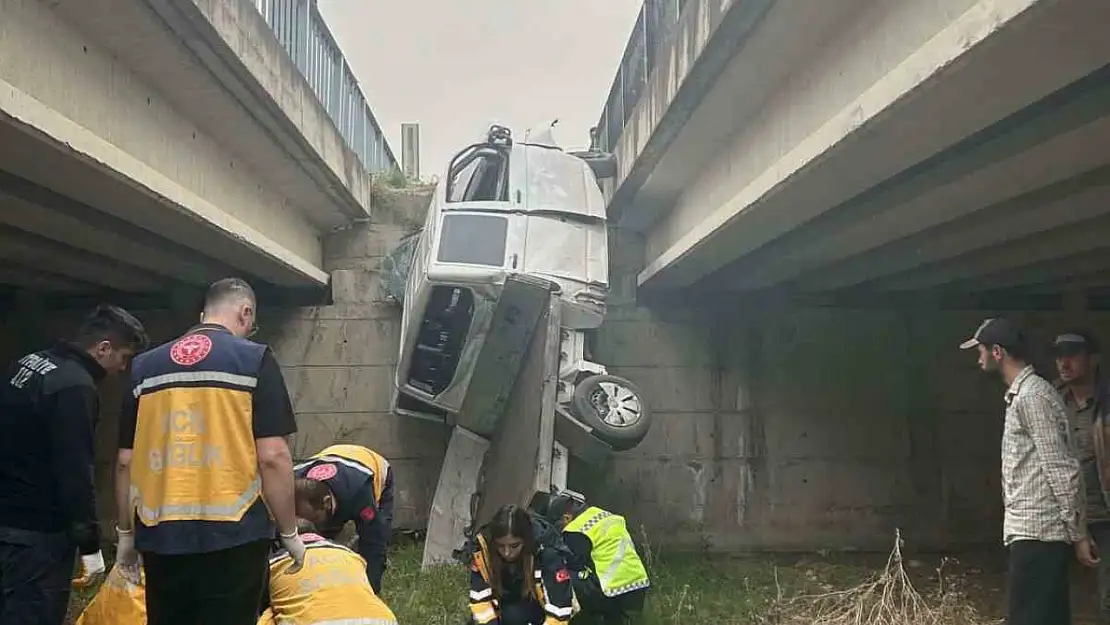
807, 428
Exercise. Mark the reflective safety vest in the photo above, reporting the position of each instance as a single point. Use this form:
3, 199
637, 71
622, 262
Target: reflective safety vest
616, 562
194, 456
330, 589
356, 457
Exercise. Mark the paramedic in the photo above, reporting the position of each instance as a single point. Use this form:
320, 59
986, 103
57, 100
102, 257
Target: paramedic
514, 580
350, 483
610, 579
48, 411
330, 588
203, 463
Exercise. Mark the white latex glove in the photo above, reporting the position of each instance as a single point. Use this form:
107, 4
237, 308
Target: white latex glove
127, 559
295, 546
92, 567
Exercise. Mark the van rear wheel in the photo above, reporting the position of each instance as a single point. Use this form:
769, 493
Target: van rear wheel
614, 408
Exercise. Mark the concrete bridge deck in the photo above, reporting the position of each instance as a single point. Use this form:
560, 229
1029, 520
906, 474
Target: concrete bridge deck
151, 145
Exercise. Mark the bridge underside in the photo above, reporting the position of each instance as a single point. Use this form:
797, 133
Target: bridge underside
975, 163
145, 151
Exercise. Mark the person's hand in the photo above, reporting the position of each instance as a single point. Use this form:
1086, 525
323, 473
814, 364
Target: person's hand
295, 546
1086, 551
127, 559
92, 567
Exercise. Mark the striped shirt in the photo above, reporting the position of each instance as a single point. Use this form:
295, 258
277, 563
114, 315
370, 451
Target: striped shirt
1041, 486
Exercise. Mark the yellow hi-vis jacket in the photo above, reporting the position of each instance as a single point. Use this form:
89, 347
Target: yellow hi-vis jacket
331, 588
615, 560
194, 448
552, 588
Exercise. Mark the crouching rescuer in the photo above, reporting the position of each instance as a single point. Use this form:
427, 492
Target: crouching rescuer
610, 580
350, 483
331, 588
203, 463
514, 578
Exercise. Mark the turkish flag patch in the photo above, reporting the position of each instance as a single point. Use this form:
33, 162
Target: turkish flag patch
562, 576
367, 514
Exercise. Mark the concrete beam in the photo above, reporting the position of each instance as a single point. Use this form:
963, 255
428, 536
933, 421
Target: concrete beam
1075, 200
40, 211
36, 252
955, 76
1085, 267
1046, 143
34, 279
1041, 247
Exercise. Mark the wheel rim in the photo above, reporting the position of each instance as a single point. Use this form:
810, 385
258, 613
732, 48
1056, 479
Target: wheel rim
616, 404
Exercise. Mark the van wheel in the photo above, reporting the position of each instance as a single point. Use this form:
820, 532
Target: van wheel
614, 408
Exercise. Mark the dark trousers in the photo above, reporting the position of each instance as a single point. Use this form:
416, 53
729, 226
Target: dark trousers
1038, 581
35, 573
1100, 532
522, 613
602, 610
374, 546
217, 588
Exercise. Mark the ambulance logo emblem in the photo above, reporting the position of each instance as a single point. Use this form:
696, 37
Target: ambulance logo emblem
322, 472
191, 349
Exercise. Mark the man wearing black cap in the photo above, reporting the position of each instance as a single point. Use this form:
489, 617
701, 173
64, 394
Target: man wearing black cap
1083, 390
1041, 485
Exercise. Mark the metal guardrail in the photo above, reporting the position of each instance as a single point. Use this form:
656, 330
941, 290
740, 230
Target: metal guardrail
654, 28
301, 30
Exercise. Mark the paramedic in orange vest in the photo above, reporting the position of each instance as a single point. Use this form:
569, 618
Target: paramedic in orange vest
350, 483
330, 588
203, 463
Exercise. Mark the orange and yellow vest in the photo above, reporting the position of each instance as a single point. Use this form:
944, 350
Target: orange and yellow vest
194, 462
331, 587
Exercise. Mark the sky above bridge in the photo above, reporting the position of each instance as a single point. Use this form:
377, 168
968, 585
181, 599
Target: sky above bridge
454, 66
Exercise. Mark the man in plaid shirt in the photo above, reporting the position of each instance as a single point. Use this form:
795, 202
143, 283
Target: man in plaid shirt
1041, 486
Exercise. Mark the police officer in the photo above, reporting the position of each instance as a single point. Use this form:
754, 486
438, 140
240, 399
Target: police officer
331, 588
610, 579
350, 483
48, 411
202, 457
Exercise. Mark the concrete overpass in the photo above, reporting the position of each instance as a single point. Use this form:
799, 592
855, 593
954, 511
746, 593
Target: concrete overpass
854, 150
151, 146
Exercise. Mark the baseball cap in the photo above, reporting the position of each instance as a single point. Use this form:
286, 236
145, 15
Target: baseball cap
995, 331
1075, 342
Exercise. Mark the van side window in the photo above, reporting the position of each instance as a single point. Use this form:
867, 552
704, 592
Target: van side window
479, 174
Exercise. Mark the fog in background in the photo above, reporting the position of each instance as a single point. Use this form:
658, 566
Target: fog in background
453, 66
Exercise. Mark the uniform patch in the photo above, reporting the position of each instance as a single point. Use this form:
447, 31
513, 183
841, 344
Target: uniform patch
190, 350
562, 576
367, 514
322, 472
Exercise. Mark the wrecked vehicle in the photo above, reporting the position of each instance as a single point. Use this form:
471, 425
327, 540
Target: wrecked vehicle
511, 209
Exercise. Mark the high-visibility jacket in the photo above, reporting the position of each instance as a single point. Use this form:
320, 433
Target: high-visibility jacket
615, 561
330, 588
552, 587
194, 470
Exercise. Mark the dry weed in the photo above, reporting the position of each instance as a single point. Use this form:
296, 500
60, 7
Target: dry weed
887, 598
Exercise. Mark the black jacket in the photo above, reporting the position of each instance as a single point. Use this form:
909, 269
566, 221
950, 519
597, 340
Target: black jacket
48, 411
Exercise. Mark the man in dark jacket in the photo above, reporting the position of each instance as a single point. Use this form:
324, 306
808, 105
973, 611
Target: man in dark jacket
48, 411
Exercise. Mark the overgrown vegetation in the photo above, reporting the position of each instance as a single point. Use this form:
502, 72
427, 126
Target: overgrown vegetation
698, 589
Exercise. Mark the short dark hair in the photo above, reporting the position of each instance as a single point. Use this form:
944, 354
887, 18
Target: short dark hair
304, 526
228, 289
112, 324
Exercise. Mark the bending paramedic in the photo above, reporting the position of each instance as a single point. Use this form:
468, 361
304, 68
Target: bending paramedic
350, 483
203, 463
330, 588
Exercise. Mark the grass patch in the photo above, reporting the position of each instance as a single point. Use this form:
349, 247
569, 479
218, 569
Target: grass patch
687, 588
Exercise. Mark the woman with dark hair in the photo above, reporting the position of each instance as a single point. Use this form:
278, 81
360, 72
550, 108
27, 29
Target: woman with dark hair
514, 579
